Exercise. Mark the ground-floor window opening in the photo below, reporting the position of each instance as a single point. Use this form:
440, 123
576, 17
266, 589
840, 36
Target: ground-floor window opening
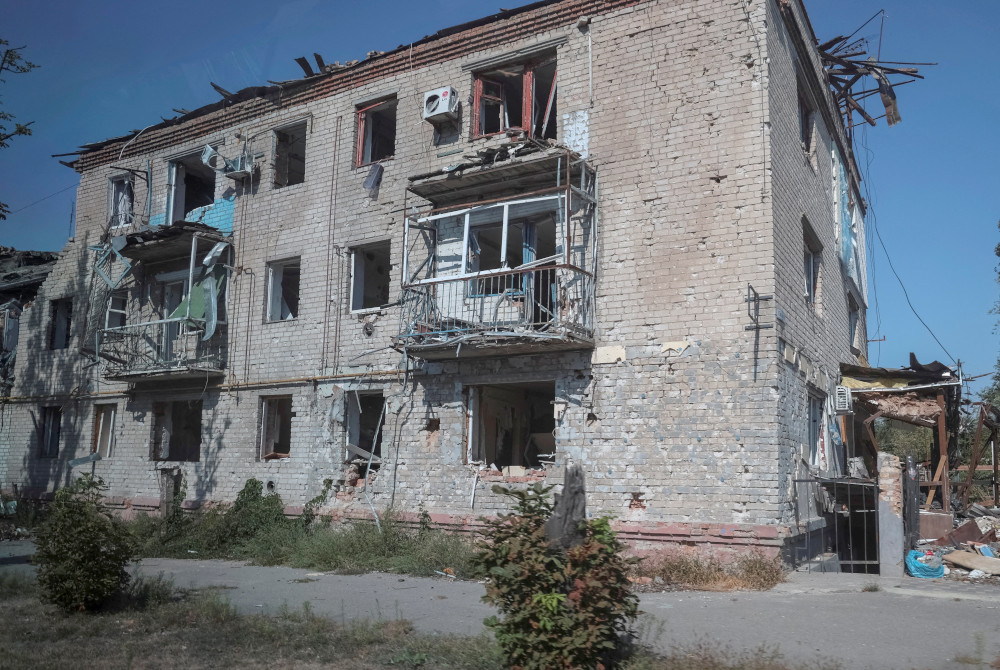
276, 427
365, 426
176, 431
104, 429
511, 424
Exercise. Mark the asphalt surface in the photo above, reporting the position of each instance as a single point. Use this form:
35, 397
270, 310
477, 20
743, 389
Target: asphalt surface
907, 624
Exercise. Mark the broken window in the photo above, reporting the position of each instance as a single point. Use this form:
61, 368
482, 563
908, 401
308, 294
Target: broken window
275, 426
49, 427
176, 431
805, 123
117, 306
370, 276
364, 426
283, 290
122, 197
520, 96
816, 436
191, 187
811, 260
10, 325
506, 237
511, 424
104, 429
290, 155
853, 321
61, 312
376, 132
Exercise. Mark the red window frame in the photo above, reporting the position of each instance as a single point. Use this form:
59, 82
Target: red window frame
527, 100
362, 116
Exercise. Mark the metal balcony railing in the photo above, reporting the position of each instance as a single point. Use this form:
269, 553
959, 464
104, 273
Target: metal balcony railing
553, 302
161, 347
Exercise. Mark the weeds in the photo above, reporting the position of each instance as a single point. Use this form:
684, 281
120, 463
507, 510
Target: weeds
254, 528
751, 571
871, 587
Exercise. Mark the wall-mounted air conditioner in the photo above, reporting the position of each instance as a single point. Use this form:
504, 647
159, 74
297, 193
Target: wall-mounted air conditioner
842, 401
441, 104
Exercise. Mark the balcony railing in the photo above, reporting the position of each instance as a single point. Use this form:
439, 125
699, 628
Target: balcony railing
170, 347
551, 305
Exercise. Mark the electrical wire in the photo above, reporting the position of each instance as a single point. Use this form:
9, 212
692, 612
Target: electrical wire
51, 195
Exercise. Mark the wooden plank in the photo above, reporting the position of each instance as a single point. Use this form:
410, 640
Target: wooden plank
937, 478
971, 561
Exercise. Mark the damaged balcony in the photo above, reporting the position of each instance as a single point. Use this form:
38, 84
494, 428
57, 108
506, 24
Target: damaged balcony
507, 275
166, 304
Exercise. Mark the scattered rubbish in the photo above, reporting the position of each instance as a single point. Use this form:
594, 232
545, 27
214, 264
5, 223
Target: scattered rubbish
192, 551
973, 561
977, 574
444, 574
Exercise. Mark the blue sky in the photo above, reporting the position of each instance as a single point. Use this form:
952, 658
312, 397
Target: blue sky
109, 67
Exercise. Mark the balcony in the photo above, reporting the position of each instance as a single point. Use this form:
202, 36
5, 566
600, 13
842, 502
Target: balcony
516, 311
170, 348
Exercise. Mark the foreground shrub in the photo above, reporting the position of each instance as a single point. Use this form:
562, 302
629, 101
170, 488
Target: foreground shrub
81, 550
557, 609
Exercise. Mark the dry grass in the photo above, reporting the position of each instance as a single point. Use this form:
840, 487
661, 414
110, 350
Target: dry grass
751, 571
709, 656
156, 626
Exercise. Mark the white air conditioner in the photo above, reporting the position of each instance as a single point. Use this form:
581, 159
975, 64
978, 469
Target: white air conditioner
441, 104
842, 401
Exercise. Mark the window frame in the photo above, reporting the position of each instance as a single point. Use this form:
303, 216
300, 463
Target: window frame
528, 93
815, 422
806, 116
387, 244
54, 314
812, 264
115, 217
269, 294
123, 311
276, 142
265, 425
352, 423
51, 418
363, 127
100, 409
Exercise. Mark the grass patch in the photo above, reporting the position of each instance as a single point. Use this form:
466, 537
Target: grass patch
255, 529
871, 587
710, 656
201, 629
751, 571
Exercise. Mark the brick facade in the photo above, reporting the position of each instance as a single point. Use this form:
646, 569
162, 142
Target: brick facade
690, 427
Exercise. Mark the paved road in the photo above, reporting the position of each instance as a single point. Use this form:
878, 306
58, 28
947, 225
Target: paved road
907, 624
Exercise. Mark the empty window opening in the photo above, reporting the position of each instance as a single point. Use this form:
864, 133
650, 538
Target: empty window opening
811, 263
61, 312
290, 155
276, 427
104, 430
122, 198
283, 290
191, 186
49, 428
504, 238
805, 123
370, 276
520, 97
10, 326
853, 323
176, 429
365, 423
376, 132
117, 308
817, 445
511, 424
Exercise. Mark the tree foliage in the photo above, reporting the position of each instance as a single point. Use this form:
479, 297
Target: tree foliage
13, 62
81, 550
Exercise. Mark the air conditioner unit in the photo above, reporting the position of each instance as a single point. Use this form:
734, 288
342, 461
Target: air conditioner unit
842, 401
240, 167
441, 104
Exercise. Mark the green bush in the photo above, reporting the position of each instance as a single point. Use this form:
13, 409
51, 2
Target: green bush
81, 550
557, 609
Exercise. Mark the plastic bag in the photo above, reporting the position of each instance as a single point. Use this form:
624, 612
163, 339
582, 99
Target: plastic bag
918, 569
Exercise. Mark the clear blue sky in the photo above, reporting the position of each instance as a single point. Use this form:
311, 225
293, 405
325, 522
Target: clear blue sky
110, 67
